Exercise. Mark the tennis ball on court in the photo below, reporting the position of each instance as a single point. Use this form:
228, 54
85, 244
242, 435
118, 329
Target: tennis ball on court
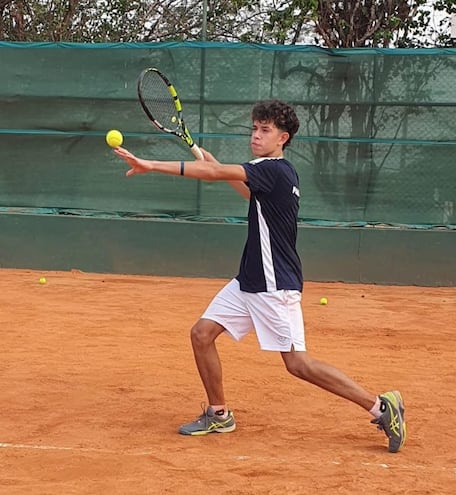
42, 280
323, 301
114, 138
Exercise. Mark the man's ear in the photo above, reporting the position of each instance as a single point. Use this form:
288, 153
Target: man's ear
284, 137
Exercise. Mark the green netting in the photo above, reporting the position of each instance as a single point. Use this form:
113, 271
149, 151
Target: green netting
377, 142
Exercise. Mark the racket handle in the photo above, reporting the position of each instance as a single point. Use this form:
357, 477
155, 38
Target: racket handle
198, 154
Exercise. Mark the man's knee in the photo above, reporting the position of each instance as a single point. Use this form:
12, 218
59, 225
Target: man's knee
299, 364
204, 332
198, 333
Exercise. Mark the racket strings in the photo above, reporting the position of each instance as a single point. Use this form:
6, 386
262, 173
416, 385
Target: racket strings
159, 101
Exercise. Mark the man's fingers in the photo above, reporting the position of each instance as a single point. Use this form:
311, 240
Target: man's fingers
208, 156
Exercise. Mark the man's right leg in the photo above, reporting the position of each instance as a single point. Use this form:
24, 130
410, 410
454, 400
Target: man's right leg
213, 419
203, 336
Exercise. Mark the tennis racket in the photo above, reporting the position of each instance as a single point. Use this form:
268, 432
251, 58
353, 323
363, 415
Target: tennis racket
160, 102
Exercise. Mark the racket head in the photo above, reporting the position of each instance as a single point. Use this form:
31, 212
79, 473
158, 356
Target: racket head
159, 100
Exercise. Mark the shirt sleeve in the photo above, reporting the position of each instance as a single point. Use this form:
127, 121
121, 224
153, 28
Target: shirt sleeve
261, 176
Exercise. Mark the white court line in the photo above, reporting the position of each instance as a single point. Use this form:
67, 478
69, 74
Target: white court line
270, 460
5, 445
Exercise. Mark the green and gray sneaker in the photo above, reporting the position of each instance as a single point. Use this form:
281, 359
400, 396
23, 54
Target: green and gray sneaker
209, 422
392, 420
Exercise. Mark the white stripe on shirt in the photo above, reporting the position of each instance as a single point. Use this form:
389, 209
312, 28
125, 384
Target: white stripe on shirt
266, 251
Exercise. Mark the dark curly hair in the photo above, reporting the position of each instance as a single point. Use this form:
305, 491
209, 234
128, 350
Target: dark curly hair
282, 115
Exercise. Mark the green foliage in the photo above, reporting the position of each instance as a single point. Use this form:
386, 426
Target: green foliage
332, 24
70, 20
374, 23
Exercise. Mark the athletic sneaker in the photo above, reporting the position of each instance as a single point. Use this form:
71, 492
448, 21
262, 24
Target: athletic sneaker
209, 422
392, 420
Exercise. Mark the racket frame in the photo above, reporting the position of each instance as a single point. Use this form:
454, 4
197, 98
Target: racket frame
181, 130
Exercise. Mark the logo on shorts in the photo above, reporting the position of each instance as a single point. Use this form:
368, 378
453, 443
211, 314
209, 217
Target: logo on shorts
282, 339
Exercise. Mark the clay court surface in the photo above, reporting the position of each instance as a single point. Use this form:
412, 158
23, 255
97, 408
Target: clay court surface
97, 373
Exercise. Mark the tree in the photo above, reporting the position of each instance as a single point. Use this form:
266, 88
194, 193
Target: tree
91, 20
355, 24
331, 24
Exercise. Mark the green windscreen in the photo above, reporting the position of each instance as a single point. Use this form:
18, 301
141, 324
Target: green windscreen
376, 145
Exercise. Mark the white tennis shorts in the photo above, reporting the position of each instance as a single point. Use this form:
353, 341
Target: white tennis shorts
275, 316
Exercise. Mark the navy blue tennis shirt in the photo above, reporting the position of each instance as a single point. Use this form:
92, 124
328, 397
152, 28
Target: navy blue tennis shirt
270, 261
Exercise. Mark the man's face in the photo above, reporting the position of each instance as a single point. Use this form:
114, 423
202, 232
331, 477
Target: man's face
267, 140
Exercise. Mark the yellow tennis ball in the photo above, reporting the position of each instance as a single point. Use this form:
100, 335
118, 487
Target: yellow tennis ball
323, 301
42, 280
173, 118
114, 138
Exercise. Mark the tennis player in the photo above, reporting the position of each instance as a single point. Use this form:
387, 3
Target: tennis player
266, 293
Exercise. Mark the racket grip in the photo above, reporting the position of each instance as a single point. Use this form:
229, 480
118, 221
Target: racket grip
198, 154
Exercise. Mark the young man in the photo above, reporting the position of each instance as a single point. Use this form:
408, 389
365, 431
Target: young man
266, 293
